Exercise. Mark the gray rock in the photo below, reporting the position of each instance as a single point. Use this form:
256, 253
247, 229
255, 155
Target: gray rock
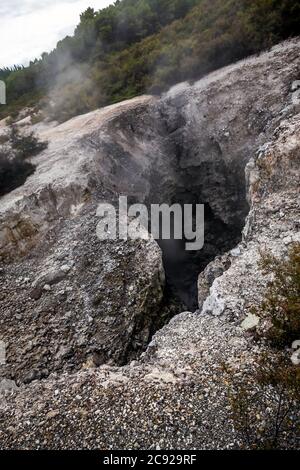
7, 386
295, 86
50, 278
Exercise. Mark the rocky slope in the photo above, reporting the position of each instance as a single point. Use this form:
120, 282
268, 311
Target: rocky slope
73, 307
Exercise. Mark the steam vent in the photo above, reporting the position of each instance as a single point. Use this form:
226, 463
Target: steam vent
136, 344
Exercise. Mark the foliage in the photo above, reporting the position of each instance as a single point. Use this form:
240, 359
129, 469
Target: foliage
15, 148
137, 46
265, 404
13, 172
25, 145
6, 71
281, 305
265, 407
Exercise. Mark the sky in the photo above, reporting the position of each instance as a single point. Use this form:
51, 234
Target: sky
30, 27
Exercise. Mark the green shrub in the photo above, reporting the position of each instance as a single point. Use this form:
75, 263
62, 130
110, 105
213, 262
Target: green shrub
14, 169
137, 46
281, 305
265, 403
13, 172
25, 145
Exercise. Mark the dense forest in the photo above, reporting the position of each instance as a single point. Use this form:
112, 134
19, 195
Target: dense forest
138, 46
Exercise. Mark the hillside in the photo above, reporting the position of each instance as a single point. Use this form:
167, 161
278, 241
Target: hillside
138, 46
93, 360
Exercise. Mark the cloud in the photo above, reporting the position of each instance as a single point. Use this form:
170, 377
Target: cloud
30, 27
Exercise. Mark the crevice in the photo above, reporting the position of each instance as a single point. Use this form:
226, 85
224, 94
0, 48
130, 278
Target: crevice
183, 267
222, 190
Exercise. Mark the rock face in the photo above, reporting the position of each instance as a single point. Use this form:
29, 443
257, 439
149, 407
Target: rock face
190, 146
69, 300
65, 178
71, 303
272, 223
77, 301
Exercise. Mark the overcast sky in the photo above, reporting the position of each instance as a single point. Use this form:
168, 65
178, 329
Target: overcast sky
30, 27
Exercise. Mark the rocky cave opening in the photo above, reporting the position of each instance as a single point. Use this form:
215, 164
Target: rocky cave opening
183, 267
222, 191
166, 156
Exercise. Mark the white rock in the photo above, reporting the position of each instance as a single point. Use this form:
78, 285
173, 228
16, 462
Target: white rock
236, 252
296, 356
65, 268
214, 305
250, 322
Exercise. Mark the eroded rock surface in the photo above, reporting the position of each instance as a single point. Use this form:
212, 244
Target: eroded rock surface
78, 301
189, 146
99, 299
